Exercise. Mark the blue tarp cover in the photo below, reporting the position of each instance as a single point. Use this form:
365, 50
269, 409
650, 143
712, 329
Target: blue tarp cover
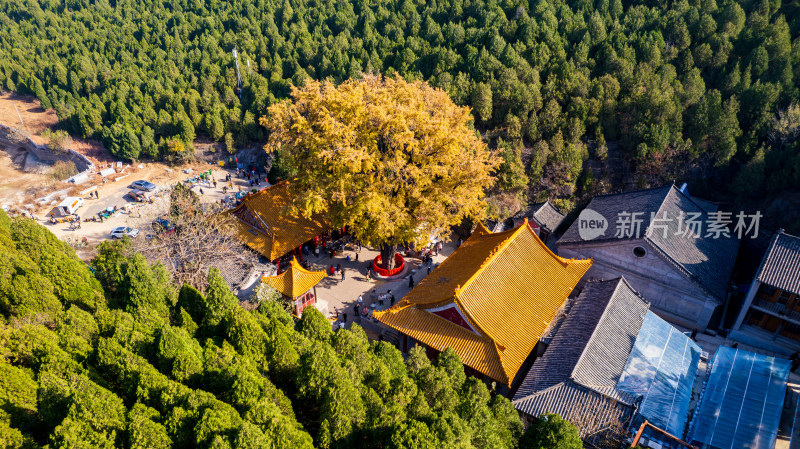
662, 368
741, 403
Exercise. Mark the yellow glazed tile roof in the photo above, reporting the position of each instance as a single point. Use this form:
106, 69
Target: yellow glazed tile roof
263, 223
295, 281
507, 285
475, 351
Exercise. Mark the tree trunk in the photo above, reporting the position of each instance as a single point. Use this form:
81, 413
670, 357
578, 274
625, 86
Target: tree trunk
387, 257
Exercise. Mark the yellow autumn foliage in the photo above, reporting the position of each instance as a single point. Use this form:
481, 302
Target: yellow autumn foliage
395, 161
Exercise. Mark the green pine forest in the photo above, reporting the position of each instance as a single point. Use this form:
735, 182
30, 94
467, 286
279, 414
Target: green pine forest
701, 90
114, 355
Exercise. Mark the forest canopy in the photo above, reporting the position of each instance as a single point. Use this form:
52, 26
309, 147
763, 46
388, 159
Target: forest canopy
702, 89
128, 359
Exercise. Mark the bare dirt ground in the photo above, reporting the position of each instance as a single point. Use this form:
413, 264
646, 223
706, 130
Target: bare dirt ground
36, 194
20, 190
24, 113
15, 185
34, 118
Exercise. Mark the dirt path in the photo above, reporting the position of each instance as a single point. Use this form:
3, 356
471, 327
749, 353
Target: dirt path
34, 118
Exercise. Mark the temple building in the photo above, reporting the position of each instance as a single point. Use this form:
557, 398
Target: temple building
663, 241
297, 284
491, 301
264, 224
612, 364
770, 316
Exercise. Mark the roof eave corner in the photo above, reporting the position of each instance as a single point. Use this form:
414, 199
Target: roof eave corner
480, 229
508, 376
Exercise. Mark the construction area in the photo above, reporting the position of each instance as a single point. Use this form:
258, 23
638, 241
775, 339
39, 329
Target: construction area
32, 185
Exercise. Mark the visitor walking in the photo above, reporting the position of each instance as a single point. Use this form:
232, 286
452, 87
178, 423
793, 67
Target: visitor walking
342, 274
411, 281
201, 191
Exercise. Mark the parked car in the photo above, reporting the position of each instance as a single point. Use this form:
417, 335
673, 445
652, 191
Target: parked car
122, 231
162, 226
143, 185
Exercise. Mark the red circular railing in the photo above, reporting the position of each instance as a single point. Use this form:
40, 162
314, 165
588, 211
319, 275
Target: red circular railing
399, 264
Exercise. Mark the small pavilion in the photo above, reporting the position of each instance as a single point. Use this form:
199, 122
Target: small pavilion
298, 284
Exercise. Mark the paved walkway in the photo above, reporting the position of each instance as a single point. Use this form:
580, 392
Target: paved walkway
341, 296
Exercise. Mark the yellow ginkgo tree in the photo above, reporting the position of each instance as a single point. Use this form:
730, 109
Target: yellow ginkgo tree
396, 162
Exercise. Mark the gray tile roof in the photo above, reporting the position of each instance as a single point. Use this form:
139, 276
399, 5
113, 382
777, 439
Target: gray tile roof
500, 225
546, 215
587, 409
707, 261
237, 271
708, 206
610, 206
780, 267
593, 343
